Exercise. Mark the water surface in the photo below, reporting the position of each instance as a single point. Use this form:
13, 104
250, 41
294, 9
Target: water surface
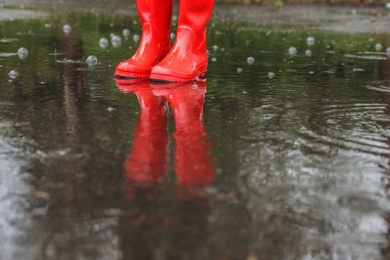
280, 156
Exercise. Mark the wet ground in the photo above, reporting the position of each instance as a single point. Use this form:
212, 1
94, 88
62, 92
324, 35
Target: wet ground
283, 153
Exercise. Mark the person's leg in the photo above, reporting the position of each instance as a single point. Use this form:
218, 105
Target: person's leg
187, 59
155, 17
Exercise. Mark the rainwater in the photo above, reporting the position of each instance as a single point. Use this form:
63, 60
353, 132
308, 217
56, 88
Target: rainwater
283, 153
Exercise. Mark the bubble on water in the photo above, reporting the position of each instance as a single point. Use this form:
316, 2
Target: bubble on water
136, 37
173, 36
126, 32
214, 59
378, 47
22, 53
116, 41
66, 28
292, 51
215, 47
239, 70
92, 60
112, 35
13, 74
271, 75
310, 40
250, 60
308, 53
103, 43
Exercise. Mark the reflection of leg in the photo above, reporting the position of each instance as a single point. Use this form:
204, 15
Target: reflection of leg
147, 159
155, 16
193, 166
187, 59
172, 227
193, 163
144, 166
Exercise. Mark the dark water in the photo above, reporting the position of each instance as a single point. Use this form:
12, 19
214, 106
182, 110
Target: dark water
285, 158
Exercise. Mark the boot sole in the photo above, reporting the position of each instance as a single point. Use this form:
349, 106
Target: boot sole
162, 78
121, 74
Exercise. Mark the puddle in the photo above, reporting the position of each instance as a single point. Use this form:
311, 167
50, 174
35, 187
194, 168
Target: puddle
283, 153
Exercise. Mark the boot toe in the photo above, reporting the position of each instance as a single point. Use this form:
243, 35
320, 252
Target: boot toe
128, 69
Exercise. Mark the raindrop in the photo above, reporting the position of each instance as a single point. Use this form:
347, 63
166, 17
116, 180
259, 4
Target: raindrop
116, 41
292, 51
173, 35
13, 74
214, 59
310, 40
215, 47
250, 60
91, 60
136, 37
174, 18
388, 50
308, 53
66, 28
239, 70
311, 72
271, 75
126, 32
378, 47
387, 5
103, 43
22, 53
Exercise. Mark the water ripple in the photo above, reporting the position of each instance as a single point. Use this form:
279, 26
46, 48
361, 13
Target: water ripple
351, 126
380, 86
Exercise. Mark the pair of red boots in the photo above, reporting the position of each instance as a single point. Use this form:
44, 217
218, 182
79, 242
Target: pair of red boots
154, 58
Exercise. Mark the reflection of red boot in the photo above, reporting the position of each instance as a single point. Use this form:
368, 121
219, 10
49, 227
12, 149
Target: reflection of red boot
155, 16
193, 162
147, 159
187, 59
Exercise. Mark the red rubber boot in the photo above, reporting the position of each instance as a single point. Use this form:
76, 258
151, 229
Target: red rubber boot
155, 16
187, 59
